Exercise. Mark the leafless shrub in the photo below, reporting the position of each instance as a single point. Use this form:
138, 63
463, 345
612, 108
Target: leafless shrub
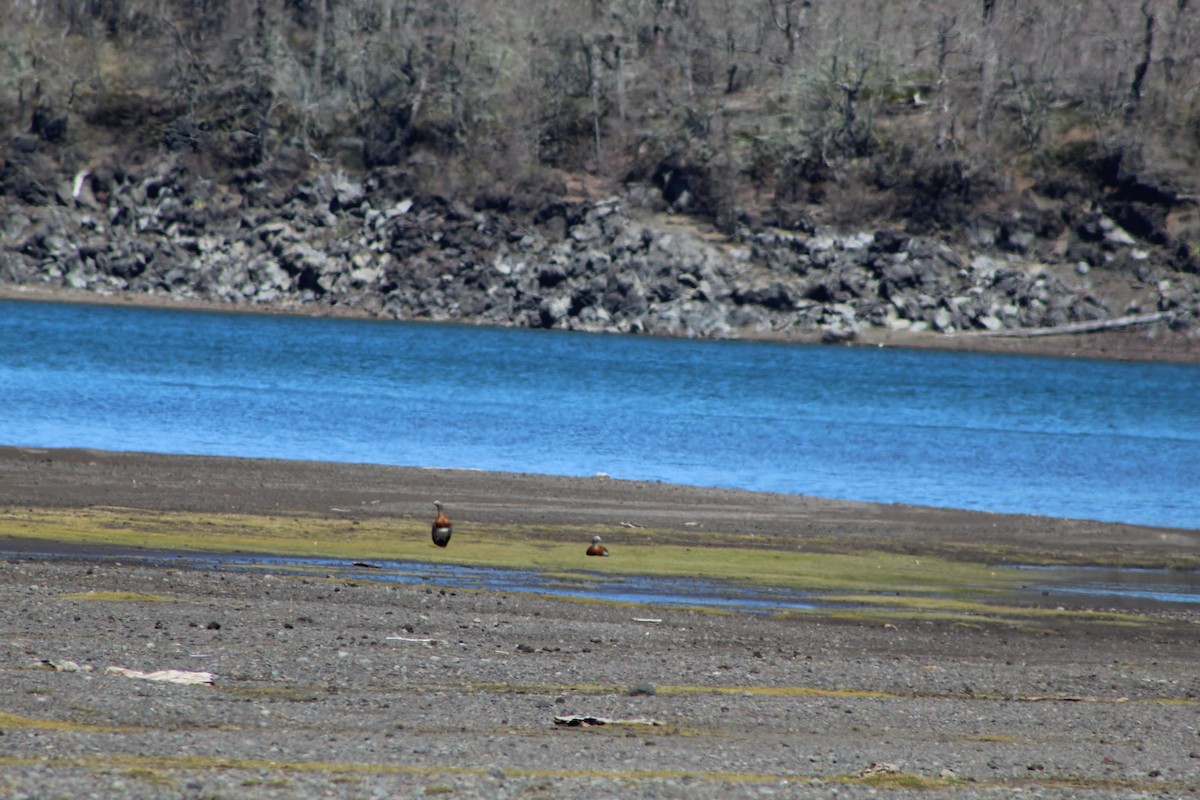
742, 88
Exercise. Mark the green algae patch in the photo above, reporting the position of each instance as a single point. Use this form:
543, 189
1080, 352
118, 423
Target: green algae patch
295, 694
899, 616
499, 546
158, 770
777, 691
263, 767
928, 608
996, 738
862, 587
537, 688
117, 597
887, 779
152, 777
597, 689
138, 529
13, 722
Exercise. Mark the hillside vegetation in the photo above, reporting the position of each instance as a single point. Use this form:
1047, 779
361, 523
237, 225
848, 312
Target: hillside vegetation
1063, 133
862, 108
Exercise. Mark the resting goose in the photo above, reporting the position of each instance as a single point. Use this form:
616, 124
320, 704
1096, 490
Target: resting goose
442, 527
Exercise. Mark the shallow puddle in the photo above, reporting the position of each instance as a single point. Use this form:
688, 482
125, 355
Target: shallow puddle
1107, 587
641, 589
1119, 587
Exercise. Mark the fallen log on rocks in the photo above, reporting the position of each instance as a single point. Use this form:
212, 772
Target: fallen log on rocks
1090, 326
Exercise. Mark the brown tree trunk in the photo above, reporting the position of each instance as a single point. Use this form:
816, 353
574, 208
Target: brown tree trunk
988, 66
1143, 66
319, 47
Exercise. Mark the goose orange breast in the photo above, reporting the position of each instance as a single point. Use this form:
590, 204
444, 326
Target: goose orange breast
442, 527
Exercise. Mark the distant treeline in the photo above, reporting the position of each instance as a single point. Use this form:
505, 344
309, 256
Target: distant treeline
725, 104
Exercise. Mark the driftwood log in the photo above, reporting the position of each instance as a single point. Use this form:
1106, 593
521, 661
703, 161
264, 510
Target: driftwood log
1075, 327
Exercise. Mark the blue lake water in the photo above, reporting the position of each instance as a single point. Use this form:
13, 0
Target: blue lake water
1088, 439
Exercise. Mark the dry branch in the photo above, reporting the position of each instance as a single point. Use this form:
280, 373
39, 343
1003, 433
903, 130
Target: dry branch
1075, 327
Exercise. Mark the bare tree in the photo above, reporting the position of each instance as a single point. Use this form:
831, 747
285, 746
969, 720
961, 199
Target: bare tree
944, 45
1136, 86
788, 17
989, 65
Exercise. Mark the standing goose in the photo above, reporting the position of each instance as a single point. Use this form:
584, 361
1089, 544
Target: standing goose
597, 549
441, 526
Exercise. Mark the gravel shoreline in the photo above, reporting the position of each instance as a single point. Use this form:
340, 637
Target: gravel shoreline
352, 688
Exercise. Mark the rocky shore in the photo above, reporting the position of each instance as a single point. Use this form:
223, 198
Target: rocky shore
335, 243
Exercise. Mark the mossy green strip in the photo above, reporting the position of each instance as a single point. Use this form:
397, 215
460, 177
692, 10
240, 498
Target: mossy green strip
873, 587
914, 607
896, 780
117, 597
770, 691
407, 540
13, 722
160, 763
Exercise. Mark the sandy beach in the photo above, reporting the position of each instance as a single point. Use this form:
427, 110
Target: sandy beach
327, 686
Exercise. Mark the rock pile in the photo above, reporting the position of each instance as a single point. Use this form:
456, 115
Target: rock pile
617, 265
